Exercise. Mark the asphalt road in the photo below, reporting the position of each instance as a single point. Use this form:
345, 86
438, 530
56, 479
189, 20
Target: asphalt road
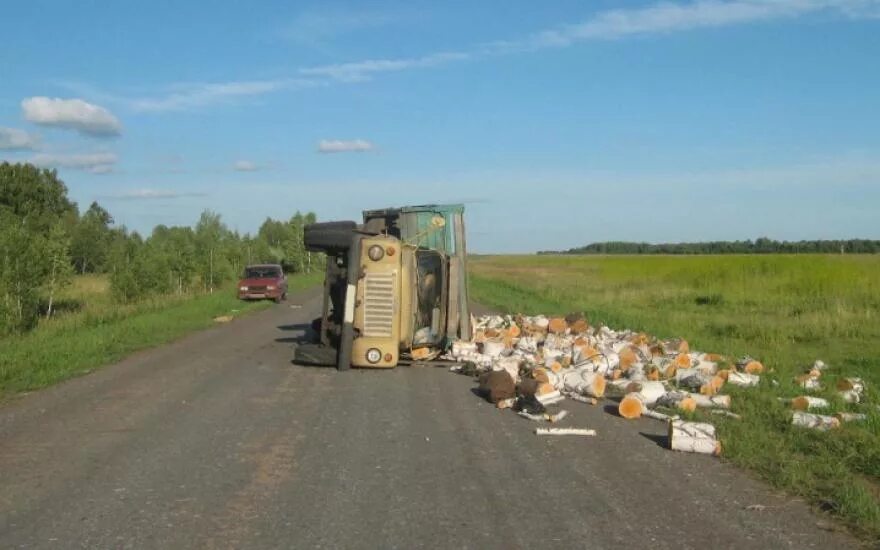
219, 441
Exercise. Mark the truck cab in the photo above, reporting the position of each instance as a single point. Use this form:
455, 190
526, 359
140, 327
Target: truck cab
395, 286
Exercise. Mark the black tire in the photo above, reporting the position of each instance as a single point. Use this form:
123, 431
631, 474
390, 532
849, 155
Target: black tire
329, 236
314, 355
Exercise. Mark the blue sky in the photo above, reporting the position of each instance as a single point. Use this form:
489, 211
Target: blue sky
558, 123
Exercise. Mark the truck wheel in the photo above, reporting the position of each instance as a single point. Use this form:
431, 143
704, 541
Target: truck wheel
328, 236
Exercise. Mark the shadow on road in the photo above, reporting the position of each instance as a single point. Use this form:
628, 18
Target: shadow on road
305, 333
661, 440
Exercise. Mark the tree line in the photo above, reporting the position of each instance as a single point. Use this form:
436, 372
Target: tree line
762, 245
45, 240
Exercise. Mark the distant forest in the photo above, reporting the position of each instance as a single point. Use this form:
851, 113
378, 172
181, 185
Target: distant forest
758, 246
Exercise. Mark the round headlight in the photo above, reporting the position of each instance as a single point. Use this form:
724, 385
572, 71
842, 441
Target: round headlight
376, 252
374, 355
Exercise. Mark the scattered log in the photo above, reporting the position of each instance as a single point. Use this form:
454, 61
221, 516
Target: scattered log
693, 437
647, 392
743, 379
549, 398
658, 415
692, 378
584, 382
682, 361
493, 347
808, 382
807, 402
557, 325
814, 421
497, 385
851, 417
580, 398
750, 366
630, 407
856, 385
711, 401
677, 400
565, 431
850, 396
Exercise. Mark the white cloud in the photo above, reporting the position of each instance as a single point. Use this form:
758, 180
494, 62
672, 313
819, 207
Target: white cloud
150, 194
314, 27
13, 139
245, 166
193, 95
345, 146
96, 163
654, 19
666, 17
362, 70
73, 114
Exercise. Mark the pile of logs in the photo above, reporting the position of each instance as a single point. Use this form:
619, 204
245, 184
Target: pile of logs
531, 361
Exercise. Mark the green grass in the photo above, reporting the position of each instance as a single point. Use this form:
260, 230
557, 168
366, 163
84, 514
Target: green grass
91, 330
785, 310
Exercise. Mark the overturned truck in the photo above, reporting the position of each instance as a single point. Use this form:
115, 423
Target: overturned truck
395, 287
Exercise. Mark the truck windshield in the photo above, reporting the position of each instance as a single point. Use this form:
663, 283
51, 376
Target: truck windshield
262, 272
431, 284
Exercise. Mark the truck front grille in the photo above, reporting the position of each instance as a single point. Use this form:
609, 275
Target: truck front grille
378, 304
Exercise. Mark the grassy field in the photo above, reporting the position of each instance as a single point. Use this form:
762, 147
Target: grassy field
784, 310
91, 330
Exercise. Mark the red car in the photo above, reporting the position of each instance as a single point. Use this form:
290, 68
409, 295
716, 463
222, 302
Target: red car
263, 281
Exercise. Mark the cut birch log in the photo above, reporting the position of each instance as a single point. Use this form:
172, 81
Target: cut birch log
527, 344
580, 326
630, 407
628, 358
658, 415
493, 347
565, 431
584, 382
677, 400
807, 382
460, 348
509, 364
850, 396
647, 392
807, 402
693, 437
712, 386
675, 345
682, 361
711, 401
851, 417
580, 398
743, 379
557, 325
549, 398
691, 378
750, 366
814, 421
851, 384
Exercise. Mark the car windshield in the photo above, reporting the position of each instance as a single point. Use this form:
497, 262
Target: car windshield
261, 272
